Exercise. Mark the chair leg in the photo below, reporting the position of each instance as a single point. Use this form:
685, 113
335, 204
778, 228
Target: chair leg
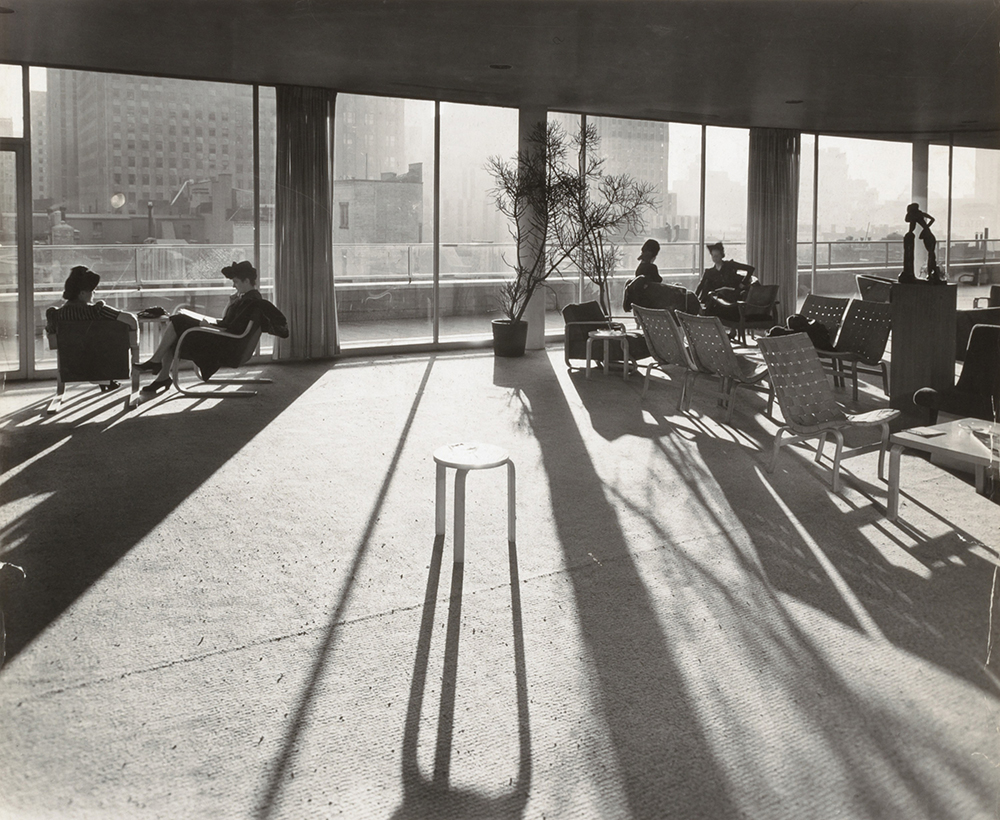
819, 447
885, 377
733, 387
770, 401
839, 438
645, 383
882, 449
854, 378
777, 447
56, 402
681, 400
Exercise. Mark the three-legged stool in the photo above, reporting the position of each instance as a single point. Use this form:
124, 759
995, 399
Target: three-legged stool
465, 456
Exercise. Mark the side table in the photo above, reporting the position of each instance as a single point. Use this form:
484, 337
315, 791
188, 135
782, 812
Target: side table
606, 336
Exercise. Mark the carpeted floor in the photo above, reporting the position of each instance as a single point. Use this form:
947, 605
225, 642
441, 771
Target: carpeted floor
238, 609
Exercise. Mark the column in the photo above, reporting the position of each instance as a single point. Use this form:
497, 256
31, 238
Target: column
527, 120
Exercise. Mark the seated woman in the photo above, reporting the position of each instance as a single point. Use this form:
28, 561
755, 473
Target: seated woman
245, 305
78, 291
722, 285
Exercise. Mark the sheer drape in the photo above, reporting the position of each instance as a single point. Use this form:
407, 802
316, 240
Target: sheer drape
772, 210
303, 222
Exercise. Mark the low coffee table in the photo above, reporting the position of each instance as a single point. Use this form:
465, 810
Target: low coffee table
954, 439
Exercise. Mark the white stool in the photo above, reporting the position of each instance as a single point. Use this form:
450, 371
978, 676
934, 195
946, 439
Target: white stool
465, 456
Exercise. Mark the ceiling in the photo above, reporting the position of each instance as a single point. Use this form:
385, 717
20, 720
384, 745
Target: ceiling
889, 68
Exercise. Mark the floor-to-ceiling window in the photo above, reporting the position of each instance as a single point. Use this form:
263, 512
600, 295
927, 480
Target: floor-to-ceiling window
475, 243
151, 182
975, 223
864, 188
147, 181
727, 163
382, 219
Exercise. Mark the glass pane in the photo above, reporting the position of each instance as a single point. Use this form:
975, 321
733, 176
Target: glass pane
150, 184
9, 349
727, 163
382, 197
975, 228
864, 188
474, 236
640, 149
678, 260
11, 102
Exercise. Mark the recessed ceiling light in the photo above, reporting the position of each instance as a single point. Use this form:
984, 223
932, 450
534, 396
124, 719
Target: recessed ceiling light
499, 66
793, 102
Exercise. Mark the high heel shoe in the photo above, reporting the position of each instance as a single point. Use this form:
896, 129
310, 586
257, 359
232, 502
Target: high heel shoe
155, 387
107, 388
149, 366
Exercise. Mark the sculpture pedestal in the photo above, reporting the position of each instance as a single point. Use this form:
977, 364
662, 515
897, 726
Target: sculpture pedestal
923, 344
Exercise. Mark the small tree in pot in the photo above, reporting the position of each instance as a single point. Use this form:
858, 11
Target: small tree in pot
560, 212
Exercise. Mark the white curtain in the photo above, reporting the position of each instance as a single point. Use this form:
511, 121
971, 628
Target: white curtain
772, 210
303, 222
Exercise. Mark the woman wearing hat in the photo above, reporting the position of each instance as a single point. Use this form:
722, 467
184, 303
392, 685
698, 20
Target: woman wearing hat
78, 291
722, 285
238, 315
646, 268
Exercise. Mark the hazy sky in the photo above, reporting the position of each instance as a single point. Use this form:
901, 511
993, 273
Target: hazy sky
883, 165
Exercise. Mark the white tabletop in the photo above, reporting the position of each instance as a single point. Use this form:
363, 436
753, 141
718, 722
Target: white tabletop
470, 455
954, 438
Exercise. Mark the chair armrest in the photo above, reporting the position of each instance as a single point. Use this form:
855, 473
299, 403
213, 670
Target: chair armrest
216, 331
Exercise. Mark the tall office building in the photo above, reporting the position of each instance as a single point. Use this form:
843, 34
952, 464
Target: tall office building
40, 182
639, 148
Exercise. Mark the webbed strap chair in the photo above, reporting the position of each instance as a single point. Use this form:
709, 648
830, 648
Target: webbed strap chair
827, 310
713, 352
668, 347
807, 403
861, 342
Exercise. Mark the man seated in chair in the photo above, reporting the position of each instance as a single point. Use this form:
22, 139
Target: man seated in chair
78, 292
245, 305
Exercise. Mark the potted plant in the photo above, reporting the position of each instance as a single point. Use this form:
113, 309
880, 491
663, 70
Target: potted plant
560, 211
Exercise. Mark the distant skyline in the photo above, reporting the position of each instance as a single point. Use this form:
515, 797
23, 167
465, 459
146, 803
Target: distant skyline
884, 165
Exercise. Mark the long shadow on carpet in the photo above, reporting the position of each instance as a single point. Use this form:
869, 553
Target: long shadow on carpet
90, 486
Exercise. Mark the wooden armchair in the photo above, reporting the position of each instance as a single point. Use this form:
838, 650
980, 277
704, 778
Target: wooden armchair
96, 350
993, 300
758, 311
977, 393
584, 317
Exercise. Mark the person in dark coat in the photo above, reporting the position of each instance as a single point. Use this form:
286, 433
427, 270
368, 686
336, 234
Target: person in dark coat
646, 268
723, 284
78, 307
209, 353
